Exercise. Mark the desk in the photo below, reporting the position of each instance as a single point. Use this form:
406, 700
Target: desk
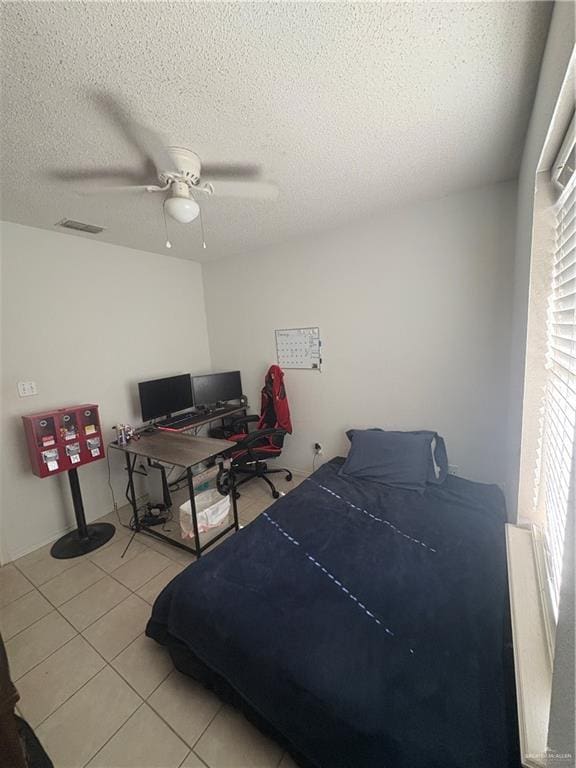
181, 451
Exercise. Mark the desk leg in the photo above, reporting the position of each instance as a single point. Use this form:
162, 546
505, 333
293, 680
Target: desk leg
193, 511
133, 502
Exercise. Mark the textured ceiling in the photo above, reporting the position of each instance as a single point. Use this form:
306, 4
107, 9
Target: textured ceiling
350, 108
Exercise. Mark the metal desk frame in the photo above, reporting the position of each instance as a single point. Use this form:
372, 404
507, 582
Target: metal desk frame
216, 455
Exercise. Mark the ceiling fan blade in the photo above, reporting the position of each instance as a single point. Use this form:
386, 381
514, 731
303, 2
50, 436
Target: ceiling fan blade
124, 176
122, 188
152, 145
231, 170
254, 190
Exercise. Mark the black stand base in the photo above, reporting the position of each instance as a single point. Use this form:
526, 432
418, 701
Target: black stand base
86, 538
71, 545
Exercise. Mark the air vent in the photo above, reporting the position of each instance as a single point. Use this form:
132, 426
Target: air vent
80, 226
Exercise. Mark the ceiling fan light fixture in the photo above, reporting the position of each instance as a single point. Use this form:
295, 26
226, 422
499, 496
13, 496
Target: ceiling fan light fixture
182, 209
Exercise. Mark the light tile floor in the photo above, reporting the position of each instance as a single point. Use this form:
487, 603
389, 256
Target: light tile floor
97, 691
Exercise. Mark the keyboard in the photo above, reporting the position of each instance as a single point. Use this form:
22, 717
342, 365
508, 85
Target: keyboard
186, 420
179, 422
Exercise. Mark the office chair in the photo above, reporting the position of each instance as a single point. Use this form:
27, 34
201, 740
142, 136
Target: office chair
253, 449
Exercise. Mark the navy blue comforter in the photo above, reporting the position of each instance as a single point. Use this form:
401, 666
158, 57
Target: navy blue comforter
364, 624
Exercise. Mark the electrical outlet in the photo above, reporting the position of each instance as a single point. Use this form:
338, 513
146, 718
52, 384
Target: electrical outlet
317, 449
452, 469
27, 388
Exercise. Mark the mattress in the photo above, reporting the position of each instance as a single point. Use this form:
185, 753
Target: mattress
362, 626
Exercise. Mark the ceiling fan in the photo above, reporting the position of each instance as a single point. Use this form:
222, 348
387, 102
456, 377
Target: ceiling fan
176, 171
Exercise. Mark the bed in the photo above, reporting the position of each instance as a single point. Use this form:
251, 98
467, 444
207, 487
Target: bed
359, 625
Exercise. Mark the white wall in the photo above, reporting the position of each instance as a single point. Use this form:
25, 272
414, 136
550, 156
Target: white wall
414, 312
86, 321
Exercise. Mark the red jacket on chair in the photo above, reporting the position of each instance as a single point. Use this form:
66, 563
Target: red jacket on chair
274, 408
274, 412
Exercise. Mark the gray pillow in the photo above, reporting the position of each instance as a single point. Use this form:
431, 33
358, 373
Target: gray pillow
398, 459
438, 460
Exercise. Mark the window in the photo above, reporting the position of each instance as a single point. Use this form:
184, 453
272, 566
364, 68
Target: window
559, 423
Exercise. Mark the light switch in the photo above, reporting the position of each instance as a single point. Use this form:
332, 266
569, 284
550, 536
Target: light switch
27, 388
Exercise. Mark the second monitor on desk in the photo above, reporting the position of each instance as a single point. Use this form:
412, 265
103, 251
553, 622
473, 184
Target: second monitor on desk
214, 388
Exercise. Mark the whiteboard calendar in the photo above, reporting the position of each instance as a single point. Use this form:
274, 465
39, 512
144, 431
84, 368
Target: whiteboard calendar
299, 348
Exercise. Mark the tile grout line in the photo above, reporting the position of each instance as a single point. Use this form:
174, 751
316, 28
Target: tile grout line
78, 593
36, 586
196, 755
32, 623
140, 586
57, 607
220, 708
56, 649
81, 632
45, 657
13, 600
130, 684
193, 751
134, 591
72, 694
82, 559
18, 560
152, 692
32, 668
112, 736
168, 725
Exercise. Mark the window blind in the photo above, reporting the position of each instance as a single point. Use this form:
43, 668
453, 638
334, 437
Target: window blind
560, 398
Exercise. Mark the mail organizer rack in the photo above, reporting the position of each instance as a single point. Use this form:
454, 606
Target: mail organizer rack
61, 441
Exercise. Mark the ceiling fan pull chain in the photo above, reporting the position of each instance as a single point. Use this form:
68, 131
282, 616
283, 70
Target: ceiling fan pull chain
202, 229
168, 243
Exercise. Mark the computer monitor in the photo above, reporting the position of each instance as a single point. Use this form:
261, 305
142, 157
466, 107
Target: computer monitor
217, 388
162, 397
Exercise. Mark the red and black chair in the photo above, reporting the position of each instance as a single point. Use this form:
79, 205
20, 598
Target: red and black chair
266, 441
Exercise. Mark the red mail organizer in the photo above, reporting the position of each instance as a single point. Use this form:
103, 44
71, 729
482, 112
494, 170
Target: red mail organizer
63, 439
